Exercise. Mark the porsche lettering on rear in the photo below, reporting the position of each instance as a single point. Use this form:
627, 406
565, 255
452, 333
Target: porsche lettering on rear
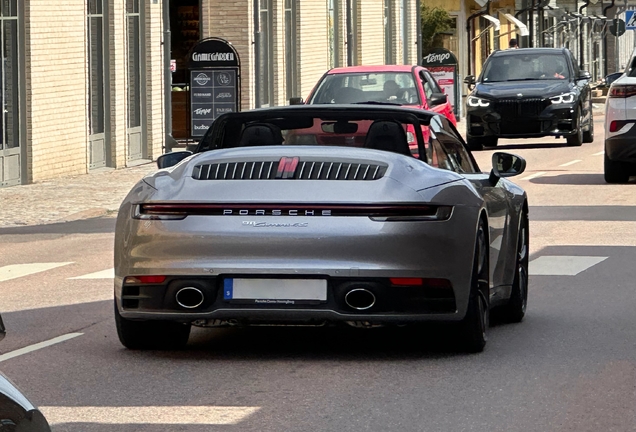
275, 212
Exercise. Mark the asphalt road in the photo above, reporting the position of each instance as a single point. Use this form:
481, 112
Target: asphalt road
570, 366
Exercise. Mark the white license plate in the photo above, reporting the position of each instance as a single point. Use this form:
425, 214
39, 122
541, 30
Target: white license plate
275, 291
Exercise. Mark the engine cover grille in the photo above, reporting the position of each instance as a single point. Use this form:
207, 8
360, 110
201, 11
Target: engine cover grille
283, 169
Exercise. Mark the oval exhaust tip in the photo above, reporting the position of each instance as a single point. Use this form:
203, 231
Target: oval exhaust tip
189, 297
360, 299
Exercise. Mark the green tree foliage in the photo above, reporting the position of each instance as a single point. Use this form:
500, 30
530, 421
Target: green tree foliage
434, 20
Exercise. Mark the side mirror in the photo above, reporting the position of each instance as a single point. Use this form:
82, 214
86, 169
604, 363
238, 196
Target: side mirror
507, 165
585, 75
296, 101
470, 80
437, 99
171, 159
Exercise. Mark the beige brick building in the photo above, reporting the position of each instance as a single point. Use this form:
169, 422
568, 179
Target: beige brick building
285, 46
83, 86
85, 83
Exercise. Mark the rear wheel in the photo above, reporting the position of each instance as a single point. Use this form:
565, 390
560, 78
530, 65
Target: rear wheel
576, 140
615, 171
151, 335
473, 328
515, 310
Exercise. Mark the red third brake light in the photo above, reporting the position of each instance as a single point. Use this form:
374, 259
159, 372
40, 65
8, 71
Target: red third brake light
407, 281
617, 125
145, 279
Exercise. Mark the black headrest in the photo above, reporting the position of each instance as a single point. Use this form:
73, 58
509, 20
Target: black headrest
261, 134
387, 135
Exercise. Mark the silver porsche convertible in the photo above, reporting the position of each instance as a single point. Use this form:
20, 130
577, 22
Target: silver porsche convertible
364, 215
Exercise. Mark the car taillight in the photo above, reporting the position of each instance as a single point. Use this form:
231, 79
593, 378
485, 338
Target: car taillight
622, 91
144, 279
617, 125
426, 282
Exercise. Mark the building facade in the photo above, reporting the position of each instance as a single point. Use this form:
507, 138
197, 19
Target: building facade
81, 86
84, 84
285, 46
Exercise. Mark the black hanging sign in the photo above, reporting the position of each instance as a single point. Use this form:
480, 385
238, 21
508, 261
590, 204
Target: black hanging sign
214, 83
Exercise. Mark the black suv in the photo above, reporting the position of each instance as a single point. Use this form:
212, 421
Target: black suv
528, 93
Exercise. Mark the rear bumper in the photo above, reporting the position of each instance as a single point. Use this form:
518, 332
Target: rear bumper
203, 251
622, 148
392, 304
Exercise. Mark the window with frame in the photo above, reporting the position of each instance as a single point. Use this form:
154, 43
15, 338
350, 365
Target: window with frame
291, 60
352, 32
405, 31
388, 32
133, 22
9, 75
334, 33
264, 36
96, 65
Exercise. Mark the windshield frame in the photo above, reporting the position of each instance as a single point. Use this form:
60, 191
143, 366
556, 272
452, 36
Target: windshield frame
487, 67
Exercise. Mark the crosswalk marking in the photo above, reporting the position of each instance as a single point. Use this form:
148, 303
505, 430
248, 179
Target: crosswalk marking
167, 415
550, 265
103, 274
14, 271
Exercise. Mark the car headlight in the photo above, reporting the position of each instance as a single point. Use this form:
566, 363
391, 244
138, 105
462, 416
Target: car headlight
475, 101
563, 98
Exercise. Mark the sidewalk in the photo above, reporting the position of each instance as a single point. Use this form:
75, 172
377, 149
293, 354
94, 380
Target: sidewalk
69, 198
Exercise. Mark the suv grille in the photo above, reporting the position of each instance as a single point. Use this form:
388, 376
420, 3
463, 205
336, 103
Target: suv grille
515, 108
304, 170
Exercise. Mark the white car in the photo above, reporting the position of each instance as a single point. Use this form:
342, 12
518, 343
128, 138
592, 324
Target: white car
620, 130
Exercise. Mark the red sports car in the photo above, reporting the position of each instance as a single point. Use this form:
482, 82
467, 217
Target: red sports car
399, 84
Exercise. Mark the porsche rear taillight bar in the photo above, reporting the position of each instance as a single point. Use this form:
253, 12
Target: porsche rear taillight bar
376, 212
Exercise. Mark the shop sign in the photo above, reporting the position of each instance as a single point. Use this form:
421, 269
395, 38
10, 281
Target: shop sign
214, 83
442, 64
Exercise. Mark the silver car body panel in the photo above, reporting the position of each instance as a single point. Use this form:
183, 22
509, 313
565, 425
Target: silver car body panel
333, 246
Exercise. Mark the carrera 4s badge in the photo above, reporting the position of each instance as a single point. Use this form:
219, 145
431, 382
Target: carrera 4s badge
275, 225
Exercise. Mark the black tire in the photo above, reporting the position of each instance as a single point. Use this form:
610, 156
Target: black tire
490, 142
588, 135
515, 310
576, 140
151, 335
615, 171
473, 327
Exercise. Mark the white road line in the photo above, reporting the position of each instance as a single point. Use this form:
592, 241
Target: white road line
601, 153
38, 346
555, 265
14, 271
535, 175
104, 274
571, 163
167, 415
